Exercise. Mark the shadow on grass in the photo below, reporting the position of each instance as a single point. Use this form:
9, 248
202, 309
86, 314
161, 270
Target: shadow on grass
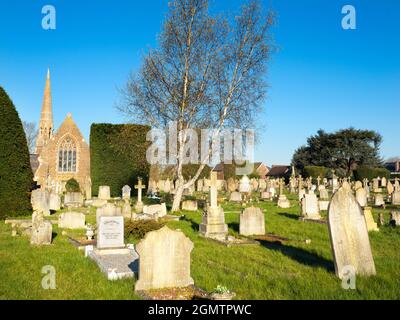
234, 226
289, 215
300, 255
195, 226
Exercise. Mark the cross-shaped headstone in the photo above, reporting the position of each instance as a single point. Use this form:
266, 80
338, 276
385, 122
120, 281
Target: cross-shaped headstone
139, 188
319, 180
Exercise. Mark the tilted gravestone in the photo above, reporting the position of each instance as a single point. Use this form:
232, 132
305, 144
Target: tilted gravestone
349, 235
361, 196
164, 260
252, 222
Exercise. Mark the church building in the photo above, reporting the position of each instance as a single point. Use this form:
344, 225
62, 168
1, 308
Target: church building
61, 155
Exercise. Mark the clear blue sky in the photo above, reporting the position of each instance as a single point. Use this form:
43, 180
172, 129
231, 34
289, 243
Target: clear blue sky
322, 76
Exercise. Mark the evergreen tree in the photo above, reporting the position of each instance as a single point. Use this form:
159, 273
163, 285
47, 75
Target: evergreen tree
15, 171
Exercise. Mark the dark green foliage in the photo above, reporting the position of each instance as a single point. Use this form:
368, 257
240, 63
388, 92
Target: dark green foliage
16, 176
343, 150
138, 229
364, 172
72, 185
315, 172
118, 156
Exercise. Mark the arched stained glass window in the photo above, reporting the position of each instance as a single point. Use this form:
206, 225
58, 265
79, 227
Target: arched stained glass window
67, 156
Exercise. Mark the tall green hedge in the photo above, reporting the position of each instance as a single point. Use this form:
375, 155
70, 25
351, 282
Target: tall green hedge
118, 156
364, 172
16, 176
315, 172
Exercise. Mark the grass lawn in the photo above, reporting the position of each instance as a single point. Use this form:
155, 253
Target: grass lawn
295, 270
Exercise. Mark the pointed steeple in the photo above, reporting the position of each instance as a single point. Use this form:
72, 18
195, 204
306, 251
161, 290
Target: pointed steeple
46, 117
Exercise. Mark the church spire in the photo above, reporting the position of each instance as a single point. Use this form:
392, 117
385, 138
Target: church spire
46, 118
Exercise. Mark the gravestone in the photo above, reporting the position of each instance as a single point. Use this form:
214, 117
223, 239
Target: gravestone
189, 205
361, 196
262, 185
384, 182
396, 198
252, 222
213, 221
323, 205
310, 207
40, 200
156, 210
389, 188
200, 185
108, 210
369, 220
139, 204
235, 197
283, 202
104, 193
127, 210
379, 201
167, 186
265, 195
244, 185
324, 194
164, 260
73, 200
349, 234
41, 230
395, 218
110, 232
231, 185
54, 201
71, 220
302, 193
358, 185
126, 192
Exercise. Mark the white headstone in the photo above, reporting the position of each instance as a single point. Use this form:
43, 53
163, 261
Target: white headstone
110, 232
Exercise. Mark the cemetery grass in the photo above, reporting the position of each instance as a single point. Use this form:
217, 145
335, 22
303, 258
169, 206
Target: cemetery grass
291, 270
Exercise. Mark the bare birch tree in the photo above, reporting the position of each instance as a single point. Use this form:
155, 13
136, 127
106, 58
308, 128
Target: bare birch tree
208, 72
31, 133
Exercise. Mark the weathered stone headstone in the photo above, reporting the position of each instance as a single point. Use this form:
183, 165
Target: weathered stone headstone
54, 202
71, 220
127, 210
104, 193
265, 195
244, 185
167, 186
108, 210
283, 202
189, 205
395, 218
164, 260
252, 222
41, 230
390, 188
110, 232
324, 194
126, 192
156, 210
369, 220
361, 196
231, 185
73, 200
323, 205
396, 198
40, 199
310, 207
349, 234
379, 201
235, 197
384, 182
